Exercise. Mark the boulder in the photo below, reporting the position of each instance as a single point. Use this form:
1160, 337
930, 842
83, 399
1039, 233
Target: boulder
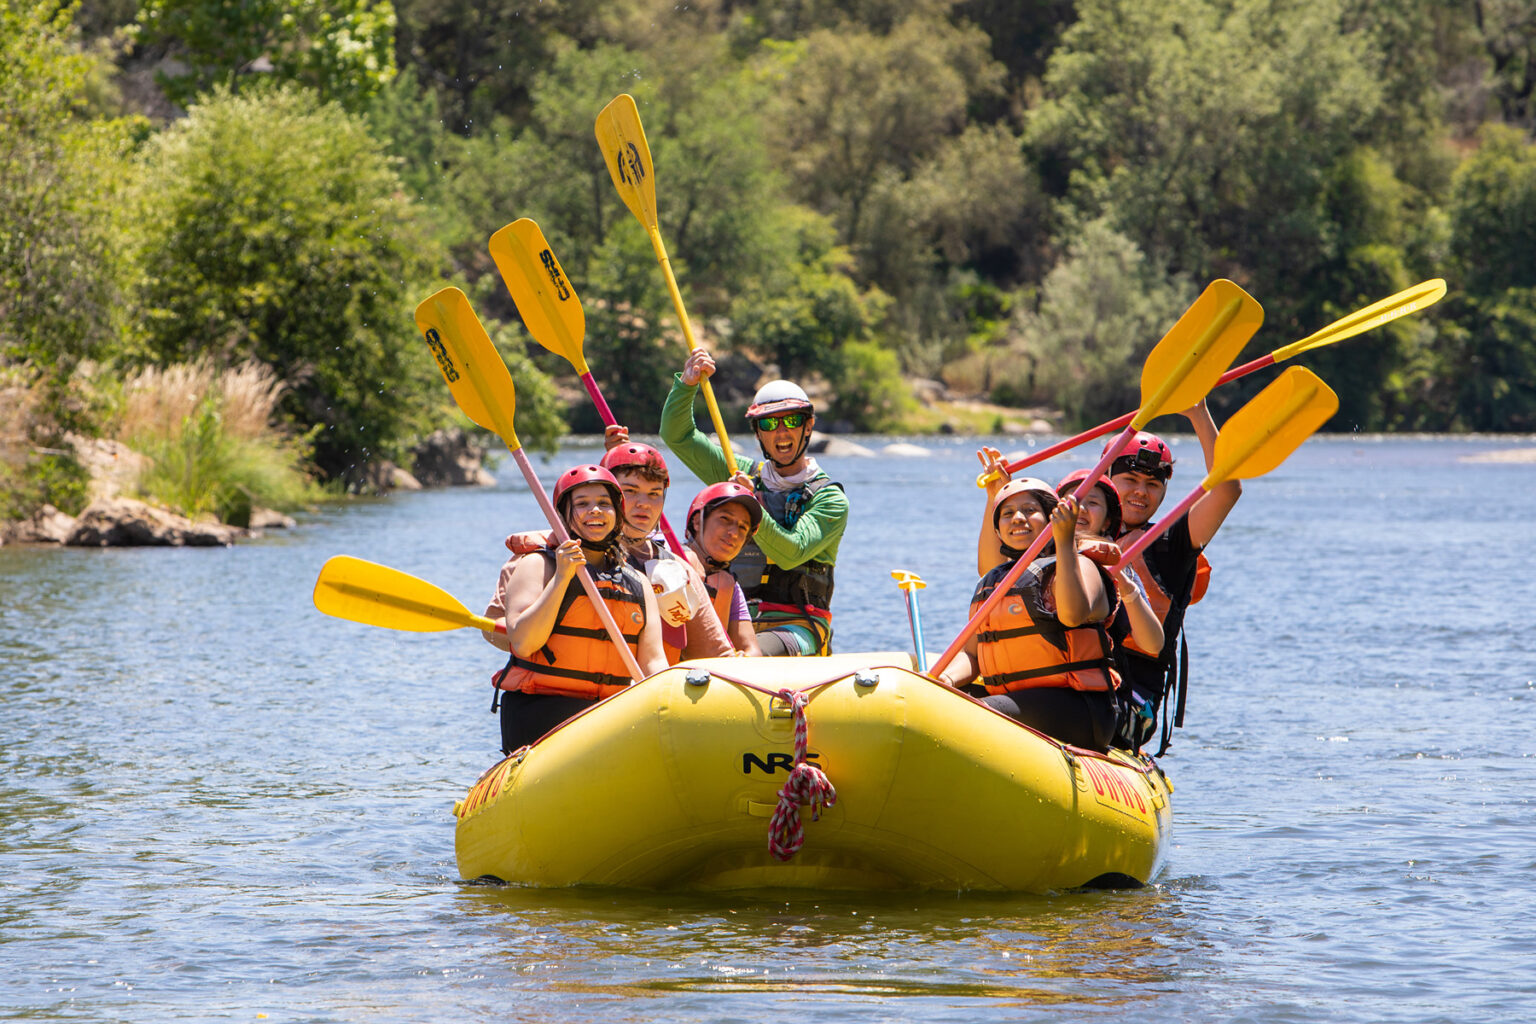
45, 526
114, 467
822, 444
451, 458
902, 450
270, 519
124, 522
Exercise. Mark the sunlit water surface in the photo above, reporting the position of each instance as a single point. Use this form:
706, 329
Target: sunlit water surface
218, 804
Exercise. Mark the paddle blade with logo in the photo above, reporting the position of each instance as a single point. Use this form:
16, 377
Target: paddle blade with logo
1183, 367
1263, 433
544, 296
376, 595
470, 364
622, 140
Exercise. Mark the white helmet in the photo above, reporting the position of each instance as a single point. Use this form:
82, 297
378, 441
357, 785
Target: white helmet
778, 396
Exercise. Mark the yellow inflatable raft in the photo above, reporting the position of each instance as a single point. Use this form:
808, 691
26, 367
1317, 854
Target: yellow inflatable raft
673, 782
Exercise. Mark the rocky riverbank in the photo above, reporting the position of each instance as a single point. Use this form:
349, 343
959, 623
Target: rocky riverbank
114, 517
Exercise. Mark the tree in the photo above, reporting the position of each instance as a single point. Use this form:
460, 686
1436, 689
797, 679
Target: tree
61, 169
1101, 310
344, 49
274, 229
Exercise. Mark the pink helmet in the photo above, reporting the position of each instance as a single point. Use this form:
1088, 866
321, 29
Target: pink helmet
725, 493
587, 474
1144, 453
1024, 484
631, 455
1111, 496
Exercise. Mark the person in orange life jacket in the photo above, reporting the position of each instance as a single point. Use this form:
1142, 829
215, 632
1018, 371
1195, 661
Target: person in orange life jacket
786, 569
720, 520
643, 478
1042, 656
562, 659
1098, 523
1172, 567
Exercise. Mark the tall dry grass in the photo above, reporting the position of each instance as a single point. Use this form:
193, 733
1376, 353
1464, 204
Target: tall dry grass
212, 439
158, 400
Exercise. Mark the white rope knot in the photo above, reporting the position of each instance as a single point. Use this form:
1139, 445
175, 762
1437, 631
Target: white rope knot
807, 784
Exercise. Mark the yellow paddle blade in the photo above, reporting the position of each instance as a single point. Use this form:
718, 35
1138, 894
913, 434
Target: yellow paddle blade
376, 595
475, 372
1409, 300
622, 141
1263, 433
544, 296
1183, 367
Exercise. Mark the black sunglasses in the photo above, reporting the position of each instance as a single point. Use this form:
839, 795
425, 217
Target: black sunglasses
792, 420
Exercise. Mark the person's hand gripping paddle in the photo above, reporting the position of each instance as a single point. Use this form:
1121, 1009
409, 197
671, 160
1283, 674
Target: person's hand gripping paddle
628, 157
1409, 300
1179, 371
483, 388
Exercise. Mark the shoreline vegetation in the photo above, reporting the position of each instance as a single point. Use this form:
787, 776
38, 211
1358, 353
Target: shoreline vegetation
215, 220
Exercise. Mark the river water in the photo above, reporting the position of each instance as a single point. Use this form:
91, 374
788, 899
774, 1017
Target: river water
218, 804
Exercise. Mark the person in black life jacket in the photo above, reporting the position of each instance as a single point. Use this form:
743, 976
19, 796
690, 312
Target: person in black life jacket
1173, 568
785, 570
562, 659
720, 519
1042, 656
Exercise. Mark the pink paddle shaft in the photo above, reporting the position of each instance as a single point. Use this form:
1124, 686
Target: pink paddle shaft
561, 536
1001, 590
666, 528
1119, 422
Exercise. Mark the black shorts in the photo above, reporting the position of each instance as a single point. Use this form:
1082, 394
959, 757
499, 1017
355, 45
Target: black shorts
1073, 716
527, 716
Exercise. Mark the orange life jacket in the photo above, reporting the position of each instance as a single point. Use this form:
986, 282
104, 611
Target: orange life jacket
1023, 645
579, 659
1157, 597
722, 590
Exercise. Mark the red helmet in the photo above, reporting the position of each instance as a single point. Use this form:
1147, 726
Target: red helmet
725, 493
1111, 497
1024, 484
588, 474
631, 455
1144, 453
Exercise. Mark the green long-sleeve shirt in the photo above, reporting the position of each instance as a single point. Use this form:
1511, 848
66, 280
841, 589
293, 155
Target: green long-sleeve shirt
815, 535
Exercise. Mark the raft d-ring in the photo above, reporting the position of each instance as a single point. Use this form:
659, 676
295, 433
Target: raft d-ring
866, 678
697, 677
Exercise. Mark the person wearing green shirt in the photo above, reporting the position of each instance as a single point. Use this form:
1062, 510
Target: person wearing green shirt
785, 570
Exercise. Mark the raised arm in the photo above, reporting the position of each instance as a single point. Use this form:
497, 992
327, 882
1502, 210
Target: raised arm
818, 529
1078, 590
680, 433
1210, 511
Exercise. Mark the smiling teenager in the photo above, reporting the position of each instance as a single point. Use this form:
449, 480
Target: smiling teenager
785, 568
560, 660
1173, 568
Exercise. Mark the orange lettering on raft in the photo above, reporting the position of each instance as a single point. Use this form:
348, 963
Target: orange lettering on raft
1108, 783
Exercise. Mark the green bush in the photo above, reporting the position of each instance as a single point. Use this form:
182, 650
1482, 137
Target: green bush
274, 229
203, 469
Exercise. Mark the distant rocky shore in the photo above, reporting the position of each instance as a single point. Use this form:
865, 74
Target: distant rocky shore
113, 518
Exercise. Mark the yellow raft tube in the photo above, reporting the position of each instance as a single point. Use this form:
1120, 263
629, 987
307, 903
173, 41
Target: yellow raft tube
672, 782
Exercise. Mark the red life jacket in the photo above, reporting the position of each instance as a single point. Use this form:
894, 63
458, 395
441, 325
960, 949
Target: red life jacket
1023, 645
579, 659
1157, 597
